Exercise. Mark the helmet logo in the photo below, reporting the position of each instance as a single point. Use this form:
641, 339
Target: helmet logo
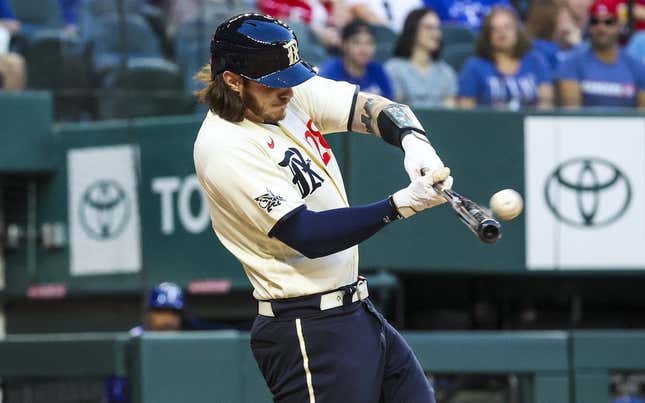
292, 51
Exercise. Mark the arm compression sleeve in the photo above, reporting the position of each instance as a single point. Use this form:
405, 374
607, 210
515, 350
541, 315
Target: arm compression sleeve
317, 234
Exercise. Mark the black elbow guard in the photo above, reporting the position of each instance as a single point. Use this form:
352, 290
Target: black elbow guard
396, 120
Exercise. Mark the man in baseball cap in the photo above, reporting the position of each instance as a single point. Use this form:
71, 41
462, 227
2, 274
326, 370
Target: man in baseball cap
602, 75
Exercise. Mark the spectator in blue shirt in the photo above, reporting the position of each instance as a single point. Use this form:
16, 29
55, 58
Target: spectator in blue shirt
8, 19
636, 46
12, 65
356, 65
505, 72
69, 11
466, 13
603, 74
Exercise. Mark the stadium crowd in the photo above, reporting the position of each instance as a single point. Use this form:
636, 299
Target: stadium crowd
98, 56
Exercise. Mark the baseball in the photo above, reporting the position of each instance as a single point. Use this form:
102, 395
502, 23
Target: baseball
506, 204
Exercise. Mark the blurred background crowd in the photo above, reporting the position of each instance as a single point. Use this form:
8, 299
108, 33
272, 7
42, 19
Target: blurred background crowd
127, 58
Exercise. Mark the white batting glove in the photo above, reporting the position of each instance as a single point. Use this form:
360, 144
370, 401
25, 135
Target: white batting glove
420, 195
419, 155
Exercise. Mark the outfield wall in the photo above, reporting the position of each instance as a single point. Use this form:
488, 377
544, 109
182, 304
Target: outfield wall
583, 178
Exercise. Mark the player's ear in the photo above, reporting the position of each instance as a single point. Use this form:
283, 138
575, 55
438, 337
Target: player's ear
232, 80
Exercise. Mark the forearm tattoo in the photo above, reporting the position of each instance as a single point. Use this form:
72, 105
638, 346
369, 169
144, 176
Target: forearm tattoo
367, 117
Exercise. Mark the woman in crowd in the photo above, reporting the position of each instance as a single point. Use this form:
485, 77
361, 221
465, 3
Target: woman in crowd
505, 72
420, 78
553, 28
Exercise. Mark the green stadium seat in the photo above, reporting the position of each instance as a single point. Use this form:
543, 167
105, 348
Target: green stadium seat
113, 40
192, 49
102, 7
37, 12
145, 87
34, 15
453, 34
91, 10
456, 54
58, 62
385, 40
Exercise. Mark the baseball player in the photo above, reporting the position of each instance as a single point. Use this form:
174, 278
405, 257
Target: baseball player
164, 312
278, 203
164, 309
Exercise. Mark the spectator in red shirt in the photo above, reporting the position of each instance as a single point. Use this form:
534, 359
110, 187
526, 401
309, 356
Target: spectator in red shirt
325, 17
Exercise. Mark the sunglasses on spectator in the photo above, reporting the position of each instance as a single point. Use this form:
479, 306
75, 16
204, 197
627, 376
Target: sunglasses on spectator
597, 21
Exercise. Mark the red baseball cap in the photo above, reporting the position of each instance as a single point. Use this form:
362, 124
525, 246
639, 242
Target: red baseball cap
604, 8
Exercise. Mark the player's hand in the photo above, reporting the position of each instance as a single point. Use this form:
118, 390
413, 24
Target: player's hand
420, 194
419, 155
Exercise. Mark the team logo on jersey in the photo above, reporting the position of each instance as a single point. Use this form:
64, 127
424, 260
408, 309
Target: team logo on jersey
268, 201
292, 51
271, 143
314, 137
304, 176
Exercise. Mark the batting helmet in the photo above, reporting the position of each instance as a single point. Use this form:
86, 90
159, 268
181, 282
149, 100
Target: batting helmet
260, 48
166, 296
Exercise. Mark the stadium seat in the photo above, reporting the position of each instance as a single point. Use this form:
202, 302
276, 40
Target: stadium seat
35, 15
145, 87
191, 57
453, 34
113, 40
192, 40
102, 7
456, 54
37, 12
385, 40
91, 10
58, 62
192, 49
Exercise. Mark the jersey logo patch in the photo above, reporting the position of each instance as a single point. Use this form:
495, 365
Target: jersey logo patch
271, 143
314, 136
304, 176
268, 201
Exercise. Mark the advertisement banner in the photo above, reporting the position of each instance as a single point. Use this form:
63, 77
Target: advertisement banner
104, 220
585, 178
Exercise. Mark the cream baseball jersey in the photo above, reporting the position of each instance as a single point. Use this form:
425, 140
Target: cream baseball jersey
254, 175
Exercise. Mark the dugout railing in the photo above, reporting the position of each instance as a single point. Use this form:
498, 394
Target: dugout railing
598, 354
58, 368
218, 366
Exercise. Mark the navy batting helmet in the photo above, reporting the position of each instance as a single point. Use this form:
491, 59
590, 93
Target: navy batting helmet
260, 48
166, 296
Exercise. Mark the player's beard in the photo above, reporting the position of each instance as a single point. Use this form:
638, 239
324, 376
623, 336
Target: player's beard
251, 103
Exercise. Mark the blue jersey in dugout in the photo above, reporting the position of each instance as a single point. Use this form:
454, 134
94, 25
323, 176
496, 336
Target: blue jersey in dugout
481, 80
605, 84
375, 80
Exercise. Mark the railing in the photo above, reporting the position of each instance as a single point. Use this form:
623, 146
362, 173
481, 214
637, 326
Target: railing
218, 366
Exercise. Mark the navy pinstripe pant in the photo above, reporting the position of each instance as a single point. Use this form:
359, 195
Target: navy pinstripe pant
348, 354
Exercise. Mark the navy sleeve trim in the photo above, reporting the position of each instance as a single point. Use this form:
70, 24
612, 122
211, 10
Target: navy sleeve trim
351, 109
322, 233
284, 218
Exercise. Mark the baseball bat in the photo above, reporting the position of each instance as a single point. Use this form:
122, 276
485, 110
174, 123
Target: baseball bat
478, 219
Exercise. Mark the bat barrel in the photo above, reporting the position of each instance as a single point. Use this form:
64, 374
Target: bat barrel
489, 230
